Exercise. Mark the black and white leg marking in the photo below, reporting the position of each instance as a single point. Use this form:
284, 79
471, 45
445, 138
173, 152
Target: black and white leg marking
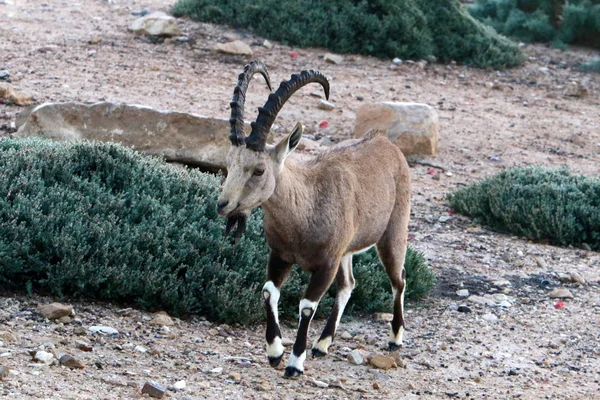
277, 272
397, 328
345, 285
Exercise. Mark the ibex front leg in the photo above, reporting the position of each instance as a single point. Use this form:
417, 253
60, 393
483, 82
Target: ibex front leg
319, 282
277, 272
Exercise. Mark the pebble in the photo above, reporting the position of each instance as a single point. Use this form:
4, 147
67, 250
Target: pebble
267, 44
320, 384
153, 389
561, 293
355, 357
4, 372
464, 309
333, 58
444, 218
43, 357
215, 371
91, 52
346, 335
8, 336
383, 362
463, 293
385, 317
541, 262
71, 362
105, 330
287, 342
141, 349
397, 61
179, 385
326, 105
235, 376
575, 277
162, 319
55, 310
490, 317
83, 345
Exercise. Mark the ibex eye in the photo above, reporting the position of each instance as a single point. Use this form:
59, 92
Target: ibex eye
259, 172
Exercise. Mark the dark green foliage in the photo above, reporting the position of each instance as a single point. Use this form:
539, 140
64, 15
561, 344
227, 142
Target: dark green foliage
531, 21
99, 221
591, 66
382, 28
536, 203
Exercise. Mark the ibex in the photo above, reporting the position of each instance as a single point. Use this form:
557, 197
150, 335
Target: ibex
317, 212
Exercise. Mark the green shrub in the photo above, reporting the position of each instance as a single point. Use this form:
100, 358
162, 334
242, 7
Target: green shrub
536, 203
100, 221
531, 21
591, 66
382, 28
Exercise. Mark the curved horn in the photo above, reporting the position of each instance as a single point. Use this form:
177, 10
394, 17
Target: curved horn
267, 114
239, 97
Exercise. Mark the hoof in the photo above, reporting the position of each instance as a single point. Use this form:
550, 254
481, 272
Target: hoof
393, 346
275, 361
292, 372
318, 353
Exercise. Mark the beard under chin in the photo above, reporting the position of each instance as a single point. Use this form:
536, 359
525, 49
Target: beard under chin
237, 221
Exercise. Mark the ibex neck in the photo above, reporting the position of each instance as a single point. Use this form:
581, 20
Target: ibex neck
291, 190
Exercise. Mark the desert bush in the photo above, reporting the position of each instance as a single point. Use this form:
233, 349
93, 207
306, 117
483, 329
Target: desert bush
100, 221
384, 28
536, 203
531, 20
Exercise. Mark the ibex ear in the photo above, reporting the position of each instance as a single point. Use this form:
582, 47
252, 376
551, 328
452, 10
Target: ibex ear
289, 143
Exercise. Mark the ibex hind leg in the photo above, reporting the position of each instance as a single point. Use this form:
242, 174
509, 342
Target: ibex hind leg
392, 252
345, 284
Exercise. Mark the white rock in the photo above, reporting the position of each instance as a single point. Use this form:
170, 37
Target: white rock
105, 330
355, 357
412, 127
397, 61
141, 349
267, 44
237, 47
179, 385
326, 105
561, 293
216, 371
575, 277
320, 384
155, 24
346, 335
490, 317
44, 357
178, 137
462, 293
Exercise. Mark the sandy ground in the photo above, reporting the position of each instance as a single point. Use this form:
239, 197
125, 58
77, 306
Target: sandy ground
543, 113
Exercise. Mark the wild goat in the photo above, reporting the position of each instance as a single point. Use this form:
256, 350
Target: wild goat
317, 212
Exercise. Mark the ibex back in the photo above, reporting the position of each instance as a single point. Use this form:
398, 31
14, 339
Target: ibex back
318, 212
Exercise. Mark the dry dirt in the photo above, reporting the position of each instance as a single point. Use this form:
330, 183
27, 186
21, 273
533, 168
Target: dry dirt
532, 351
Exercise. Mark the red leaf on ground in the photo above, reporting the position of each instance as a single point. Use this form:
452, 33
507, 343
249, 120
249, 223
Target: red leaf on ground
293, 54
431, 171
559, 304
323, 124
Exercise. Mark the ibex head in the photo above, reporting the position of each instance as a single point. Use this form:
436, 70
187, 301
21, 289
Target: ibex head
252, 165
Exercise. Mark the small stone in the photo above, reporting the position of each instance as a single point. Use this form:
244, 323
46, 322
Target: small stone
141, 349
104, 330
355, 357
235, 376
320, 384
443, 218
326, 105
386, 317
383, 362
95, 40
575, 277
43, 357
561, 293
55, 310
162, 319
179, 385
512, 372
333, 58
237, 47
153, 389
267, 44
490, 317
8, 336
463, 309
155, 24
287, 342
346, 335
84, 346
79, 330
213, 332
398, 358
411, 386
4, 372
64, 320
397, 61
462, 293
215, 371
71, 362
376, 386
541, 262
91, 52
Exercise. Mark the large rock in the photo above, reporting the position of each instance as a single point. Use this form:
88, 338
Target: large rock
412, 127
237, 47
155, 24
179, 137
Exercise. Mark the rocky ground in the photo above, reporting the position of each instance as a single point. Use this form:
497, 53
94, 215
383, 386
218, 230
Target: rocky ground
517, 341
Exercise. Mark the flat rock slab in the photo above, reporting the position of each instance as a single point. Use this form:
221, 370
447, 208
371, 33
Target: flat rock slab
179, 137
